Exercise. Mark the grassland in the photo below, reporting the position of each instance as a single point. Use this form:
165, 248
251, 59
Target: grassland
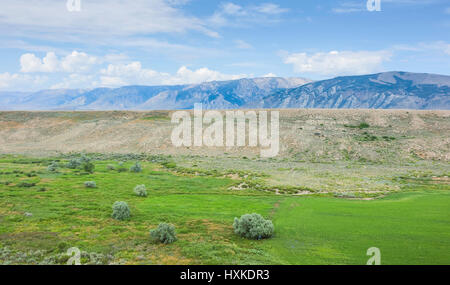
344, 181
48, 212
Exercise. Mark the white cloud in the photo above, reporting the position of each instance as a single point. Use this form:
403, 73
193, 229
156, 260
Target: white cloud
74, 62
134, 73
230, 14
129, 74
185, 75
270, 8
270, 75
240, 44
30, 63
338, 63
233, 9
111, 70
438, 46
78, 62
17, 81
50, 19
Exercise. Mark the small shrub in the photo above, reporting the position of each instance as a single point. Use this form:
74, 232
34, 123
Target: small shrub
52, 167
136, 168
164, 233
85, 158
122, 169
90, 184
361, 126
74, 163
88, 167
26, 184
387, 138
140, 191
364, 125
121, 211
253, 226
169, 165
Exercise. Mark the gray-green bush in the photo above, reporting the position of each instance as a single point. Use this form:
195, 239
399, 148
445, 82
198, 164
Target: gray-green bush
74, 163
52, 167
164, 233
253, 226
136, 167
121, 211
88, 167
90, 184
140, 191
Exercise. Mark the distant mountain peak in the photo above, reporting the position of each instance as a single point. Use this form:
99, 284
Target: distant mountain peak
388, 90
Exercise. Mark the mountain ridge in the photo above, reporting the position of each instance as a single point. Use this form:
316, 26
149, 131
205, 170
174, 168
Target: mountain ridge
386, 90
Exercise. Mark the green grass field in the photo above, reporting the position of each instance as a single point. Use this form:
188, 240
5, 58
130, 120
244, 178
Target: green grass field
46, 212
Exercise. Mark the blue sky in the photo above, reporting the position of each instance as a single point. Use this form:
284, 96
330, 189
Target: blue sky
113, 43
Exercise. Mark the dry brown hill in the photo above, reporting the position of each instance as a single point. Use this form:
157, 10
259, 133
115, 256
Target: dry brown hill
306, 135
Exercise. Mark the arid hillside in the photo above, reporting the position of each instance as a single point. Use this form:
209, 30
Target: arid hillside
305, 135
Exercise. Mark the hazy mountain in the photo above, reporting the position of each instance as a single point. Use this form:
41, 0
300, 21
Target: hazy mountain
213, 95
389, 90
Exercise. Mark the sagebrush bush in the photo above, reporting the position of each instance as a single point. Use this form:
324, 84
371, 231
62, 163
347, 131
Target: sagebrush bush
90, 184
84, 158
121, 211
74, 163
52, 167
253, 226
136, 167
140, 191
88, 167
164, 233
122, 169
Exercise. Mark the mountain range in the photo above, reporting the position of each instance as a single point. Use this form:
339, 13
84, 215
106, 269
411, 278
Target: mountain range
388, 90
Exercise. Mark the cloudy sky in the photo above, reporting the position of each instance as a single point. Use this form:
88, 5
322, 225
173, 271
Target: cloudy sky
48, 44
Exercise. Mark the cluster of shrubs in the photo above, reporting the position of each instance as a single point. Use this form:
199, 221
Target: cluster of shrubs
26, 184
137, 167
33, 173
40, 257
250, 226
164, 233
84, 162
362, 125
